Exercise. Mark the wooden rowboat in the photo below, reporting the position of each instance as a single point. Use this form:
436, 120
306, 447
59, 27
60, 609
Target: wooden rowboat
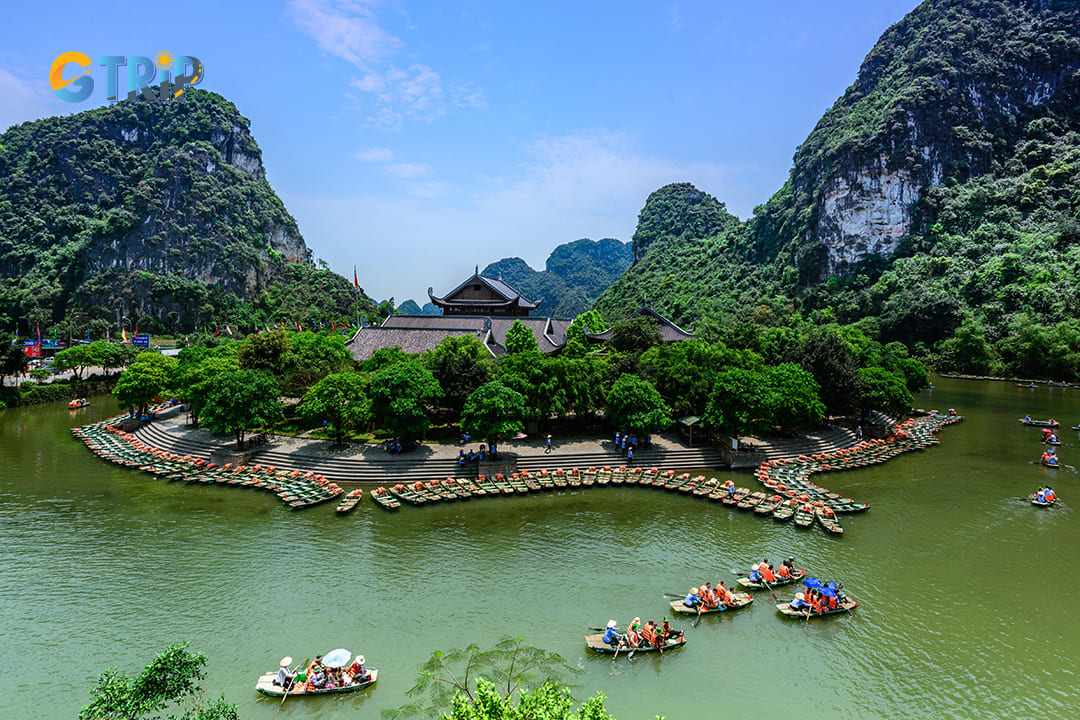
747, 583
596, 642
1047, 463
828, 520
1039, 423
266, 686
385, 499
804, 518
847, 605
1033, 498
349, 501
741, 601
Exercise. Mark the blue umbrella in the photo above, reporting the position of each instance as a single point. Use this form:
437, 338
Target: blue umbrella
812, 583
828, 592
336, 658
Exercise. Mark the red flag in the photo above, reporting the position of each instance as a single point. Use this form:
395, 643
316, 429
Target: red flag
355, 281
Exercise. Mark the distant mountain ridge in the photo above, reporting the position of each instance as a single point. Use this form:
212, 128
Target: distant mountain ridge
574, 276
939, 197
149, 210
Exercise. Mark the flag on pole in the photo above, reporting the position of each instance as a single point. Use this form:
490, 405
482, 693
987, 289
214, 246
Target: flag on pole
107, 339
355, 280
228, 329
39, 336
123, 333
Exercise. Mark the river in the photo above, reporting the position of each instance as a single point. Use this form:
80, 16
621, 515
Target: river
968, 595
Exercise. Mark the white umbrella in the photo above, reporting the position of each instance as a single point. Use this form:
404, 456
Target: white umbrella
337, 658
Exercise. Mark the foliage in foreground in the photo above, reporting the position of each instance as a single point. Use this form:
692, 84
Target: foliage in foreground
169, 683
509, 669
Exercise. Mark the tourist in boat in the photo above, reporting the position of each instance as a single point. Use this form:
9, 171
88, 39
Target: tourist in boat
651, 635
1040, 496
790, 564
667, 632
755, 575
767, 574
284, 676
725, 595
692, 599
798, 602
783, 572
1051, 496
612, 636
357, 673
633, 632
317, 678
1027, 418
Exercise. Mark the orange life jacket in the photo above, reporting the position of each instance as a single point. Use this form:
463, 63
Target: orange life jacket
766, 573
784, 571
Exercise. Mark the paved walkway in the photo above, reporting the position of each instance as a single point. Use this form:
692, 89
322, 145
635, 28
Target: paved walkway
367, 463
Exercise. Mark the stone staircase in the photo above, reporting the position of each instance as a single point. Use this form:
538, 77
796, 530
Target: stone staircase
390, 469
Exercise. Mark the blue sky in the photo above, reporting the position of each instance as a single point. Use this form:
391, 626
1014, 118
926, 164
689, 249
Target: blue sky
418, 139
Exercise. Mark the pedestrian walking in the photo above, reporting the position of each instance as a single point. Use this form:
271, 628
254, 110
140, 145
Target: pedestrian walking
548, 448
630, 456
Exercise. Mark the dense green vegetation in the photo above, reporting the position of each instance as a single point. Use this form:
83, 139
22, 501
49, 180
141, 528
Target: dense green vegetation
170, 683
979, 101
154, 213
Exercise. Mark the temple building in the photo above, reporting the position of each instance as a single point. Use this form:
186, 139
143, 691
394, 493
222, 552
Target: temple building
485, 308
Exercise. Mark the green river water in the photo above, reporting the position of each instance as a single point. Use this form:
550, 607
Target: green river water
968, 596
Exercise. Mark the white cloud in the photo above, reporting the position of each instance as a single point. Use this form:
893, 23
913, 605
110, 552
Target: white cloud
590, 184
675, 18
375, 155
347, 29
27, 100
350, 30
407, 170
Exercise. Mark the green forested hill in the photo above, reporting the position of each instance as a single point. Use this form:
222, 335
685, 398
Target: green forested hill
575, 275
937, 203
158, 212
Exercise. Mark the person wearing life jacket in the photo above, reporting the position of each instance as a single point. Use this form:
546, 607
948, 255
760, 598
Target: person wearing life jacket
611, 635
667, 632
692, 599
633, 632
1040, 496
707, 598
767, 573
649, 634
1051, 496
783, 572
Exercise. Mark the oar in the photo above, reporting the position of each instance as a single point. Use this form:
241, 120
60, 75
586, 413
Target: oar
673, 595
770, 589
618, 647
292, 682
808, 609
700, 607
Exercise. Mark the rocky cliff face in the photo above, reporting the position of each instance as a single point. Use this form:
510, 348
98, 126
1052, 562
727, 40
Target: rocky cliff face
140, 208
943, 97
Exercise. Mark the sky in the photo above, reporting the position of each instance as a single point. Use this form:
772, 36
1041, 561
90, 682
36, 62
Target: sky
415, 140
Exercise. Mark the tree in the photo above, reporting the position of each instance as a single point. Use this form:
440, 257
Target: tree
266, 352
12, 358
635, 335
634, 405
461, 364
402, 395
520, 339
340, 400
77, 359
508, 669
240, 400
830, 359
739, 403
550, 701
792, 397
576, 344
493, 412
194, 380
384, 357
524, 373
313, 356
883, 390
170, 680
149, 376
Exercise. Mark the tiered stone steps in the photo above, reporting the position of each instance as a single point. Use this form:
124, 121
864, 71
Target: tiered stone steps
390, 469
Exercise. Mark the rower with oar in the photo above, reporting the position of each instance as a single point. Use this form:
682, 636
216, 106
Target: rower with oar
612, 636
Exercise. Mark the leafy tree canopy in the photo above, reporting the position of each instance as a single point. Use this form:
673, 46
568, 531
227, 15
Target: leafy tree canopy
169, 683
520, 340
340, 400
240, 400
635, 406
403, 395
493, 412
149, 376
461, 364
